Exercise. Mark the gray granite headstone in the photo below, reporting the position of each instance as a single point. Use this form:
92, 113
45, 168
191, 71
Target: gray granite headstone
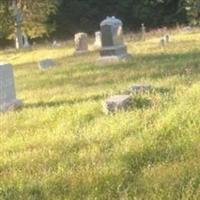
113, 48
118, 102
8, 99
81, 43
46, 64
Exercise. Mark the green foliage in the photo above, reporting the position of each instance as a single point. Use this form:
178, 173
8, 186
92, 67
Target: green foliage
35, 17
89, 13
193, 11
65, 17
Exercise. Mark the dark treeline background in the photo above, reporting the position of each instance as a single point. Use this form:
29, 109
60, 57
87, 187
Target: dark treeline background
63, 18
85, 15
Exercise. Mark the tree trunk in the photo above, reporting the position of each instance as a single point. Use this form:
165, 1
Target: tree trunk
18, 24
18, 37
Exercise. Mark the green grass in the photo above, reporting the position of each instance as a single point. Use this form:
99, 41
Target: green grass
61, 145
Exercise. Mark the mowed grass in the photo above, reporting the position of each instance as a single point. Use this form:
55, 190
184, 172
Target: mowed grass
60, 145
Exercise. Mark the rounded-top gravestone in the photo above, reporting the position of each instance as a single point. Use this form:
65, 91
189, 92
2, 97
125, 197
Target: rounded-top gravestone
8, 99
81, 43
113, 48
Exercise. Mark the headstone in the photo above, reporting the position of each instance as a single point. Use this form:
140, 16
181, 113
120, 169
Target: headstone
143, 31
25, 41
46, 64
97, 43
167, 38
81, 43
8, 99
56, 44
162, 41
113, 48
116, 103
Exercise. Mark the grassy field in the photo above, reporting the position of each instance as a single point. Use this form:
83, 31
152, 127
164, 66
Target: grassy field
60, 145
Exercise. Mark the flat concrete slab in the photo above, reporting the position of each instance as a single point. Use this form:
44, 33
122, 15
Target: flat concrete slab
46, 64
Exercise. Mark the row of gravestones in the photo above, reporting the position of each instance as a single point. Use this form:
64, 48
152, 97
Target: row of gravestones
113, 49
109, 40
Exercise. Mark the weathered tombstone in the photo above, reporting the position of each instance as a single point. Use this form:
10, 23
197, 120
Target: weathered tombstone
143, 31
56, 44
113, 48
46, 63
81, 43
97, 42
8, 99
116, 103
167, 38
25, 41
162, 41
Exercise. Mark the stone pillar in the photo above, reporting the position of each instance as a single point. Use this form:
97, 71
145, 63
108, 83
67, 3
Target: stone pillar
113, 48
81, 43
8, 99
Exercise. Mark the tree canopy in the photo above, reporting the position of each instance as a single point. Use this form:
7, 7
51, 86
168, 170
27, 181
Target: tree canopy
35, 16
65, 17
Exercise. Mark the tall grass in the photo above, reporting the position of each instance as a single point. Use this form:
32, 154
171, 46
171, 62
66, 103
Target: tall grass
60, 145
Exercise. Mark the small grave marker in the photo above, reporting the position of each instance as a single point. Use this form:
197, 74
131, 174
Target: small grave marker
46, 64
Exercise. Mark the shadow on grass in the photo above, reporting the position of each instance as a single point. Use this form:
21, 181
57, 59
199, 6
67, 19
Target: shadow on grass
141, 103
42, 104
135, 162
87, 74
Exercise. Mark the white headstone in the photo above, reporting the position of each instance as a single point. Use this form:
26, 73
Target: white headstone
81, 43
56, 44
97, 42
8, 99
143, 31
25, 41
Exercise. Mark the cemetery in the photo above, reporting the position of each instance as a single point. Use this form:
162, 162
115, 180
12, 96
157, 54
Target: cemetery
107, 114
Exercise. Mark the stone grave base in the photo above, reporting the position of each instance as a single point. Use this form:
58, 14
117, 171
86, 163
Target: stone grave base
113, 59
113, 51
13, 105
76, 53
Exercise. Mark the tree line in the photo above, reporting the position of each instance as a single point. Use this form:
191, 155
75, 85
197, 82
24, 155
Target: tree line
62, 18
